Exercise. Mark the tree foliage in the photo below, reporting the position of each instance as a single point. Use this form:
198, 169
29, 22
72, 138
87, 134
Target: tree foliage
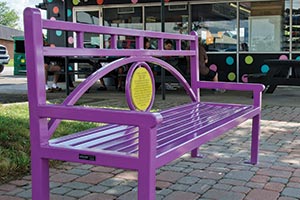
8, 17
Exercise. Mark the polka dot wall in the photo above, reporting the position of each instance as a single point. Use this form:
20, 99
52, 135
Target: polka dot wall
230, 62
249, 63
264, 68
248, 60
56, 13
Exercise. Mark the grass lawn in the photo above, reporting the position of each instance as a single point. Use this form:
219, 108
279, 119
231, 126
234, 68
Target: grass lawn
14, 139
10, 63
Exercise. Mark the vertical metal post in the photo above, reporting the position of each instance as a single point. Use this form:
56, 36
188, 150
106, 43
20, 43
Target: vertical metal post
291, 29
291, 37
190, 17
163, 73
67, 78
238, 43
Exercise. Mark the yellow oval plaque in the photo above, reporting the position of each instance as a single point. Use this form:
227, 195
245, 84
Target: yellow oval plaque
141, 88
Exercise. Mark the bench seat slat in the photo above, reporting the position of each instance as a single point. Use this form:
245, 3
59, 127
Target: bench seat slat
130, 148
199, 115
121, 140
192, 131
188, 125
82, 134
205, 115
192, 127
104, 142
180, 125
84, 138
181, 116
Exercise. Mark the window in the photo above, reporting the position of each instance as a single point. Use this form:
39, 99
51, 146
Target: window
261, 26
295, 25
216, 25
91, 40
125, 17
176, 18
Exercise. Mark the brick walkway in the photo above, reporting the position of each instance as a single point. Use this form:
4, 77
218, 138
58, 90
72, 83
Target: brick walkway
220, 175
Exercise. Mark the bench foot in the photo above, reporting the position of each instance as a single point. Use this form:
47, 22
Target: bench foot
40, 179
271, 89
249, 162
195, 154
255, 139
146, 184
199, 155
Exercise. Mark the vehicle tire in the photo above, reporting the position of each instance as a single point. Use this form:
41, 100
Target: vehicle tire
1, 68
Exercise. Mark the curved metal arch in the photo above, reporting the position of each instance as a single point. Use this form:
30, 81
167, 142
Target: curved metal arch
93, 78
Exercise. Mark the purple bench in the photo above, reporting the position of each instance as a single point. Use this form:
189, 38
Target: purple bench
131, 139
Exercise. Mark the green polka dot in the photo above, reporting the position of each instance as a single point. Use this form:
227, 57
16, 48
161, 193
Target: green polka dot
50, 1
231, 76
249, 60
75, 2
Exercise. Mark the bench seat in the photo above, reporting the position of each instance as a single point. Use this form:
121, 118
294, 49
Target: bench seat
179, 127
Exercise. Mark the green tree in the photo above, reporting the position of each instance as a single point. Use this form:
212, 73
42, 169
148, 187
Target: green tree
8, 17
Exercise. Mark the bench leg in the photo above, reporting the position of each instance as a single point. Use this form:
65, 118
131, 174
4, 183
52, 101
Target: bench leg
271, 89
40, 178
147, 164
146, 184
195, 153
255, 139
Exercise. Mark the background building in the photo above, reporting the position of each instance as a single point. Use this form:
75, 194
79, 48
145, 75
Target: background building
6, 38
239, 35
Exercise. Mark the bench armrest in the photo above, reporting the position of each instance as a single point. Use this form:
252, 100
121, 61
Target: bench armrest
100, 115
231, 86
257, 89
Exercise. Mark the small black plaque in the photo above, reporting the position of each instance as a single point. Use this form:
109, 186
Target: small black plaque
87, 157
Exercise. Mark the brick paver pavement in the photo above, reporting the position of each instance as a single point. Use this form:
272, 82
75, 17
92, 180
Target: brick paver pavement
221, 174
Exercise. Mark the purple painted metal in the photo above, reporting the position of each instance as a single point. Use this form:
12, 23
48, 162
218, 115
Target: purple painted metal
83, 87
141, 141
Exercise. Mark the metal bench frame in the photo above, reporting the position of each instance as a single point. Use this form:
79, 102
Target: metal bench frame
141, 141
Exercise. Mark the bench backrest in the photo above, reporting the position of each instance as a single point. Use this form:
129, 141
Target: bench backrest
35, 52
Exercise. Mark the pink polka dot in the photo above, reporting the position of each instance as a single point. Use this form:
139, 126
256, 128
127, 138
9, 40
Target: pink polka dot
245, 78
70, 40
134, 1
213, 67
283, 57
52, 18
52, 45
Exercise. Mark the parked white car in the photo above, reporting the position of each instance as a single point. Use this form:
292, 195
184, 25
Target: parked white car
4, 57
